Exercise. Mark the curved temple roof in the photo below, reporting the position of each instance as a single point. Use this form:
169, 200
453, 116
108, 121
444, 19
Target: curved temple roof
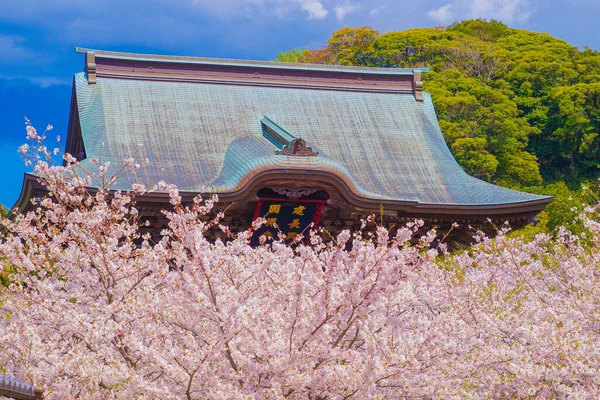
199, 121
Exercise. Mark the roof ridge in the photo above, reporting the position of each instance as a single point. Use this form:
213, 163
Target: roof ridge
257, 63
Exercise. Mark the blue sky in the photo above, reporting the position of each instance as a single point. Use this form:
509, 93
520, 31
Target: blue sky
37, 60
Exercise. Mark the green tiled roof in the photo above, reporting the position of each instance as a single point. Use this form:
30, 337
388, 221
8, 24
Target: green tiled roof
201, 135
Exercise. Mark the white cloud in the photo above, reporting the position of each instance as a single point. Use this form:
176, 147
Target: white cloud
503, 10
229, 7
11, 49
47, 81
315, 9
342, 11
41, 81
507, 11
443, 14
374, 11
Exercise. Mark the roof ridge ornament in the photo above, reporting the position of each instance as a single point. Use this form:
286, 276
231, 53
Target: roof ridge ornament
275, 133
297, 148
90, 67
417, 85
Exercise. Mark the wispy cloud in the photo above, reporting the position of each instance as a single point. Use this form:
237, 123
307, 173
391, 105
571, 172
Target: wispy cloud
507, 11
183, 26
343, 10
13, 51
443, 14
377, 10
47, 81
315, 9
42, 82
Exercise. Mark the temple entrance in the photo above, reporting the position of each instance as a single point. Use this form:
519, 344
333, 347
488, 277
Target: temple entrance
289, 212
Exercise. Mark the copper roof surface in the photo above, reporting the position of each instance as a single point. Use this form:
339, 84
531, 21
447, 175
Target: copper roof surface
199, 134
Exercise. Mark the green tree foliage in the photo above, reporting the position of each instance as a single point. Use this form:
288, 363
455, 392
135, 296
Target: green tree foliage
516, 107
346, 46
470, 108
488, 31
352, 46
573, 145
5, 270
291, 56
424, 47
471, 153
567, 205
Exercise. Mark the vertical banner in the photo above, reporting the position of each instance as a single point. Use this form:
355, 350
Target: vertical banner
290, 217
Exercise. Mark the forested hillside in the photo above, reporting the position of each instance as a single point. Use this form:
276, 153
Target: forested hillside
517, 108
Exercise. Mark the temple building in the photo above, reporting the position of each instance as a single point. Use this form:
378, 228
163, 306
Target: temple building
294, 143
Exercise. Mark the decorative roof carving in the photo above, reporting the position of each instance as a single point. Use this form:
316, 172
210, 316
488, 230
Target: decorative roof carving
294, 193
297, 148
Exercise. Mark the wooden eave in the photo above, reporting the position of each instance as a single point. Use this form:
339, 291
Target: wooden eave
31, 187
340, 191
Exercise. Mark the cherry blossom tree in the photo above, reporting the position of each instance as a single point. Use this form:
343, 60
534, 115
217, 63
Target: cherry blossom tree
94, 309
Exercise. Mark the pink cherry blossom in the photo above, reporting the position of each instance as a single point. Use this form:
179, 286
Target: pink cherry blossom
94, 310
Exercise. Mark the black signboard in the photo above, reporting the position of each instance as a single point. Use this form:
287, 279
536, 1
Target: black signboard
289, 217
